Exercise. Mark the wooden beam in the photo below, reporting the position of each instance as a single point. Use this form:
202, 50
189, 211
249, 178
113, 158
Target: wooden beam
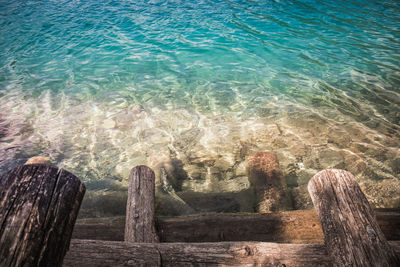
38, 207
139, 224
285, 227
300, 226
352, 234
88, 253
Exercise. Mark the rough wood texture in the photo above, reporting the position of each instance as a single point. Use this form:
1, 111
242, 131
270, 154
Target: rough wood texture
87, 253
266, 180
352, 235
139, 224
38, 208
300, 226
111, 253
107, 228
286, 227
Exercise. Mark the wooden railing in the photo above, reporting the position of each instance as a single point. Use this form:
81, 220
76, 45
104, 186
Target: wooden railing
39, 204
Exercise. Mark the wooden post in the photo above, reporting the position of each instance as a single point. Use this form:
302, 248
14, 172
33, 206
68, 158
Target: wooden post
139, 224
352, 235
38, 208
266, 180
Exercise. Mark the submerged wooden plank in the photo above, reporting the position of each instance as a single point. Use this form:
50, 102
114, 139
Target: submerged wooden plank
301, 226
352, 234
114, 253
38, 208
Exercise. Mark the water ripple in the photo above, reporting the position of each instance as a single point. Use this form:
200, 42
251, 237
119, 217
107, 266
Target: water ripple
101, 86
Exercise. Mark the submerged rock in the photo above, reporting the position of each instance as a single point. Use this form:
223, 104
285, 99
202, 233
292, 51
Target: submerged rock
38, 160
267, 182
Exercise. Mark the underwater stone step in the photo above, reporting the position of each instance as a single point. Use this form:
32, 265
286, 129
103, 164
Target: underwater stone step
267, 182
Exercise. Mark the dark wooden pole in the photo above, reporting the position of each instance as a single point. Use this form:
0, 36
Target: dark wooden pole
38, 208
352, 234
139, 224
266, 180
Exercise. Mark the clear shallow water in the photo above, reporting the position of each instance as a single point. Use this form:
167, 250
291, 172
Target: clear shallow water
194, 87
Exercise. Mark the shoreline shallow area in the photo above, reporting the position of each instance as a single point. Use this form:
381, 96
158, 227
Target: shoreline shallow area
200, 157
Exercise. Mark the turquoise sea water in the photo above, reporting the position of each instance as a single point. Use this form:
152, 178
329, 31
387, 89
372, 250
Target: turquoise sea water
101, 86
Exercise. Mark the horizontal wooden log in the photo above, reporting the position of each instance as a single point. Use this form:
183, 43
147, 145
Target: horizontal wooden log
301, 226
114, 253
111, 253
275, 227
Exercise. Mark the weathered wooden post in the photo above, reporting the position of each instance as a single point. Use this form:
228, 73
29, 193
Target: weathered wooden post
266, 179
139, 224
38, 208
352, 234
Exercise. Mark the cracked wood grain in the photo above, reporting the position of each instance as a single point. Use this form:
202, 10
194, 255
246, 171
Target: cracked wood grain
38, 208
352, 234
139, 223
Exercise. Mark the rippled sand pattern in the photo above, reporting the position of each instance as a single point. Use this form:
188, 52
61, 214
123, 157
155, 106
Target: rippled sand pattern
192, 88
